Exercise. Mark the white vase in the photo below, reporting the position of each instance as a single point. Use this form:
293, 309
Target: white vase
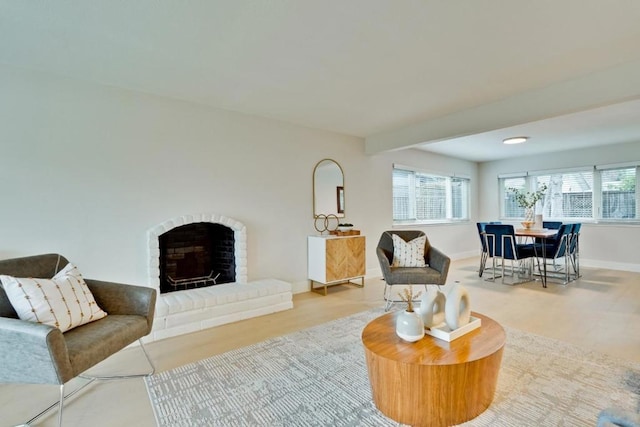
409, 326
538, 221
432, 304
529, 215
457, 309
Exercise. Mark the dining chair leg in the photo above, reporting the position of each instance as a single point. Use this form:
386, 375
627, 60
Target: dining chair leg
483, 262
493, 259
576, 258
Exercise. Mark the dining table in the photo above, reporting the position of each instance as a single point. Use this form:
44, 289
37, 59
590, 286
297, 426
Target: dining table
543, 234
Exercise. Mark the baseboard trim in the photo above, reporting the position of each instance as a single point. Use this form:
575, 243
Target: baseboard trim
300, 287
592, 263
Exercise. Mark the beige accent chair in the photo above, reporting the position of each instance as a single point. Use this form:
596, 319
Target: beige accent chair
34, 353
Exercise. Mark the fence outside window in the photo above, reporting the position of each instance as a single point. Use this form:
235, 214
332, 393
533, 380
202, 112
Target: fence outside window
599, 193
421, 197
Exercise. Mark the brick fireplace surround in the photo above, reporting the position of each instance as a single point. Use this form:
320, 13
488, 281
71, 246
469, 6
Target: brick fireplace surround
186, 311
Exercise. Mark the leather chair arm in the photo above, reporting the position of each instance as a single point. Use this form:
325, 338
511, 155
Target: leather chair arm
32, 353
119, 298
438, 261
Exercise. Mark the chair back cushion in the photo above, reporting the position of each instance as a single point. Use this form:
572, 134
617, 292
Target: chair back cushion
497, 244
481, 226
573, 239
561, 241
45, 266
552, 225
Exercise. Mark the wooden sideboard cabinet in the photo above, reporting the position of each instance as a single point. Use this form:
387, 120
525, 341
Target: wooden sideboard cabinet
335, 260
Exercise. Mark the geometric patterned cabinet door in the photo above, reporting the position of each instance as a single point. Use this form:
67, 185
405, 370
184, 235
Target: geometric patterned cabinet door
334, 260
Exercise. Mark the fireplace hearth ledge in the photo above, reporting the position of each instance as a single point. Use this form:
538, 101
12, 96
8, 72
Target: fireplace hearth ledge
183, 312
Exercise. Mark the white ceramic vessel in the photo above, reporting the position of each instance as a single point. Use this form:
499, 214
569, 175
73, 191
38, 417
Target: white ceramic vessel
409, 326
432, 305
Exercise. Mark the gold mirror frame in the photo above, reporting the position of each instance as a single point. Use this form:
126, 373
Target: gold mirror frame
328, 189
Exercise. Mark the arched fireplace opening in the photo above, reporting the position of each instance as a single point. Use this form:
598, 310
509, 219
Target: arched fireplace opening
196, 255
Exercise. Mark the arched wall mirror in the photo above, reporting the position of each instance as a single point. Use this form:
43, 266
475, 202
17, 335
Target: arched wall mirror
328, 189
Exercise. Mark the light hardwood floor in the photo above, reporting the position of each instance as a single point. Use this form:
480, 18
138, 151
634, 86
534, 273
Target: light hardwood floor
600, 311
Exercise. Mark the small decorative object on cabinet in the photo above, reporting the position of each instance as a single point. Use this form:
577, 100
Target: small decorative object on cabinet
328, 223
432, 306
334, 260
409, 325
345, 226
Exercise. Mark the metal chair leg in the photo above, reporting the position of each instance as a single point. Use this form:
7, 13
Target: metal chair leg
90, 380
59, 404
483, 262
123, 377
388, 302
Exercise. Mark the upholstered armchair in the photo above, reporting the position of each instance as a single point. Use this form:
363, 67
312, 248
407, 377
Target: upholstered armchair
37, 353
433, 273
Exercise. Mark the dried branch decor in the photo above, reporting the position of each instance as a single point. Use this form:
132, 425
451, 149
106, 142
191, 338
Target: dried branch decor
408, 296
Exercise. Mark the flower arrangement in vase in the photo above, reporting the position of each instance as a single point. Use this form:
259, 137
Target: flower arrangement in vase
527, 200
409, 324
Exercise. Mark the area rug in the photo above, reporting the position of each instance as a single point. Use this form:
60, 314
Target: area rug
318, 377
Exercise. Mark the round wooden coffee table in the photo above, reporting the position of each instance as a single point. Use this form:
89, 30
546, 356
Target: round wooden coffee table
433, 382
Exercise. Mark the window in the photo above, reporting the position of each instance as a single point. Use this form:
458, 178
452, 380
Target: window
568, 195
605, 193
420, 197
510, 206
619, 197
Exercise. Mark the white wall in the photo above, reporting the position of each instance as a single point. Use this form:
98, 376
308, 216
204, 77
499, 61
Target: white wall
601, 245
86, 170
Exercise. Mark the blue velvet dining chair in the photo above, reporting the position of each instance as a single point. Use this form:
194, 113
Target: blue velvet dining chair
484, 255
557, 249
501, 243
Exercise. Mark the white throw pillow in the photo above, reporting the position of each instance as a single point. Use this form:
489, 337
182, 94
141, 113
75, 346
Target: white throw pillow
65, 301
408, 254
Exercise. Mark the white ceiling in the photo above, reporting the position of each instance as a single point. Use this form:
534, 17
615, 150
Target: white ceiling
614, 124
378, 69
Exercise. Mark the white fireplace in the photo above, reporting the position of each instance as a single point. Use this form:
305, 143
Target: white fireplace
191, 310
239, 231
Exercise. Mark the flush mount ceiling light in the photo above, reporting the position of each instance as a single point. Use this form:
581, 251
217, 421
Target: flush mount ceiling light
515, 140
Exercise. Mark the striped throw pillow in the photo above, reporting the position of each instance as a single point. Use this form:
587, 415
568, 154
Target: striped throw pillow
408, 254
65, 301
